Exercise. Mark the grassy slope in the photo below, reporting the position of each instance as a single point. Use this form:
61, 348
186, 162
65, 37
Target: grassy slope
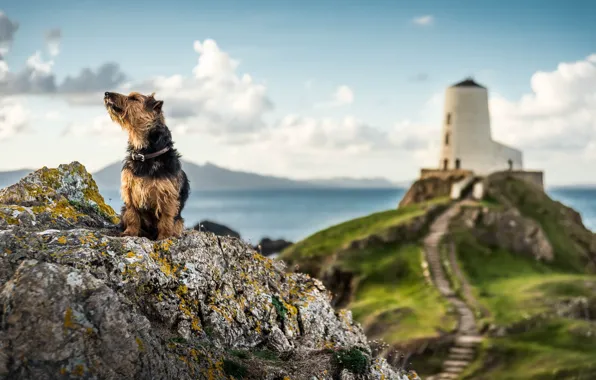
554, 219
516, 289
392, 294
393, 297
327, 241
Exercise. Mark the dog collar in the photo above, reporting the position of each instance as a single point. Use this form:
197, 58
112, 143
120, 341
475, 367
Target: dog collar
142, 157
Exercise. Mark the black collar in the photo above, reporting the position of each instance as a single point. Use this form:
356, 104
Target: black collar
142, 157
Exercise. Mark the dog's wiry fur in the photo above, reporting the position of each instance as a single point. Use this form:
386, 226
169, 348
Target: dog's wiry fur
154, 191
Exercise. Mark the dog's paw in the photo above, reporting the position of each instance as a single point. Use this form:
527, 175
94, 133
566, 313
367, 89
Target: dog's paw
129, 232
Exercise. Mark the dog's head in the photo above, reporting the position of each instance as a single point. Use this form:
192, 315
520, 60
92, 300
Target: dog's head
136, 113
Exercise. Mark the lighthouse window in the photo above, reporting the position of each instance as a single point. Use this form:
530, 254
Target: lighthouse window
447, 138
448, 121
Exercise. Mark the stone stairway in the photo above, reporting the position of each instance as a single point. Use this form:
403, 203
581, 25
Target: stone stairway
463, 350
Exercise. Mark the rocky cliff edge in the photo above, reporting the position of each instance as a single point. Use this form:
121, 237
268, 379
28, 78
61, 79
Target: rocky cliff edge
78, 301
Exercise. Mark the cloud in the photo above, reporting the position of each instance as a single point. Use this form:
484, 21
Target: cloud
559, 114
53, 38
100, 126
3, 69
37, 77
13, 117
345, 134
8, 29
107, 76
424, 20
342, 96
216, 99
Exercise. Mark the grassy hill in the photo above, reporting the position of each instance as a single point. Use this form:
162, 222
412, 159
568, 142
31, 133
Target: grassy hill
538, 314
391, 295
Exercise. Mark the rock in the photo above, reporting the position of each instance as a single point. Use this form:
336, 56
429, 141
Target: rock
428, 188
216, 228
269, 247
55, 198
508, 229
79, 302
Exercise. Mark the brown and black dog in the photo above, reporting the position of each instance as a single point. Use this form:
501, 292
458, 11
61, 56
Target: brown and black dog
154, 187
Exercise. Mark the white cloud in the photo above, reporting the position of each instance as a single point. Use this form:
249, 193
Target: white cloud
101, 126
52, 115
559, 114
424, 20
216, 99
342, 96
53, 38
38, 65
13, 117
3, 69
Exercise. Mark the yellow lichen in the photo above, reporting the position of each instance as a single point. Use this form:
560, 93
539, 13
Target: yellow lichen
79, 370
194, 324
68, 321
62, 240
140, 344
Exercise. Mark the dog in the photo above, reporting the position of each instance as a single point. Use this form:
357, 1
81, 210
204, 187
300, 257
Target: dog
154, 187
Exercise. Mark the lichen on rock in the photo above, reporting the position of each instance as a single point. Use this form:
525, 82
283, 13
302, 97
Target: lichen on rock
79, 302
55, 197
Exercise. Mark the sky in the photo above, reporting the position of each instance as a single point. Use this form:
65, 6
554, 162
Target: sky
301, 89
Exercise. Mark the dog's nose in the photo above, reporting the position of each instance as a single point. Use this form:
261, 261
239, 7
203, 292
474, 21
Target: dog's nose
107, 95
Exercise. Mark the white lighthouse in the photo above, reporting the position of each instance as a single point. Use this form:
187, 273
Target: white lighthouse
466, 141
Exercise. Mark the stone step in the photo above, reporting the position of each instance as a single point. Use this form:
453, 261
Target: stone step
464, 356
453, 370
461, 350
447, 376
456, 363
467, 341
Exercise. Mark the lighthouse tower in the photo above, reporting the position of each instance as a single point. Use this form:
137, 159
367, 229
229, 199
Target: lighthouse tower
466, 141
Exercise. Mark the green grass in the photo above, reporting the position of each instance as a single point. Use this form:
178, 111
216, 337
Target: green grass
552, 349
513, 286
518, 291
554, 219
327, 241
393, 295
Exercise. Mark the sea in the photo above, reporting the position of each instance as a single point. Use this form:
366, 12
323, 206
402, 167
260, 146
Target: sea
294, 214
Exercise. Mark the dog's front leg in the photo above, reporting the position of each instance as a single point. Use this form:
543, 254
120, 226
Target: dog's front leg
132, 220
166, 225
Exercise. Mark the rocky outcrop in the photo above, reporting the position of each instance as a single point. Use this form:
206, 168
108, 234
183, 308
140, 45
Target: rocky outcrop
268, 247
508, 229
430, 187
216, 228
78, 301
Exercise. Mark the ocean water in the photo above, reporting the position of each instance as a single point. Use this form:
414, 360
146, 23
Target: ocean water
298, 213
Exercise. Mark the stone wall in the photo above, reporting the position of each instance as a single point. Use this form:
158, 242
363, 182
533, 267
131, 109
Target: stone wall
444, 174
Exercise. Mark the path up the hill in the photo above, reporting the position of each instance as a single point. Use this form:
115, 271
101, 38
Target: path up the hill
467, 339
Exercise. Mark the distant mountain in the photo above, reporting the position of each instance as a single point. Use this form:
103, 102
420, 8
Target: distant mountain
13, 176
213, 177
353, 182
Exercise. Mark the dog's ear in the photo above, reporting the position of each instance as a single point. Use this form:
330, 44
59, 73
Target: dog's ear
157, 105
154, 104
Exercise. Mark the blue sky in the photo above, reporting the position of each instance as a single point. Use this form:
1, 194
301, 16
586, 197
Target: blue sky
302, 51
